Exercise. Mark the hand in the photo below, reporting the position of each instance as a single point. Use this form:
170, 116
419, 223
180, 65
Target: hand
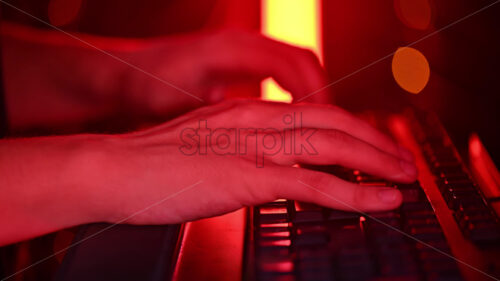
200, 65
184, 170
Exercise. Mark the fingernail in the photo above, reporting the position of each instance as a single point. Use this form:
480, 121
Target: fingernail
408, 168
388, 195
405, 154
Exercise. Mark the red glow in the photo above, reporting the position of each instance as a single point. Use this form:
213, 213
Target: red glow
212, 246
62, 240
273, 210
283, 242
63, 12
276, 234
416, 14
283, 266
47, 37
23, 259
483, 168
281, 224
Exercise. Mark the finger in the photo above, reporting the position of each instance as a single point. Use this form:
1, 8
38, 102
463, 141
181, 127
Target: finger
295, 69
261, 114
314, 74
308, 67
330, 147
329, 191
332, 117
349, 123
258, 114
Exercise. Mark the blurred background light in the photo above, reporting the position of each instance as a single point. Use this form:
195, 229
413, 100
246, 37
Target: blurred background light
410, 69
416, 14
63, 12
296, 22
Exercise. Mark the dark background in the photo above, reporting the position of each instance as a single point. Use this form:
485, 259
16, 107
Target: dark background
464, 84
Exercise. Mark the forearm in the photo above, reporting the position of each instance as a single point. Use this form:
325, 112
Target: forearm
53, 80
45, 185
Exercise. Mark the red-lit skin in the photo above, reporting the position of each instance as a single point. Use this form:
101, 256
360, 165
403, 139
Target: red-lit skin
49, 183
53, 80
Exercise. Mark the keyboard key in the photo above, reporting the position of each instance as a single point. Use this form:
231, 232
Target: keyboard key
273, 218
315, 269
306, 212
308, 239
313, 253
483, 231
428, 233
412, 195
267, 264
496, 207
336, 215
328, 244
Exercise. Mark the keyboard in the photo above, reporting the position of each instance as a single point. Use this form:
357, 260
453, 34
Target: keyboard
474, 217
290, 240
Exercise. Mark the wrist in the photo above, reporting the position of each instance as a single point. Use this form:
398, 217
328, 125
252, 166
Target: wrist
89, 171
50, 183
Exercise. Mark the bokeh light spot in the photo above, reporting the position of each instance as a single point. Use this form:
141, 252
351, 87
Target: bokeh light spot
63, 12
410, 69
415, 14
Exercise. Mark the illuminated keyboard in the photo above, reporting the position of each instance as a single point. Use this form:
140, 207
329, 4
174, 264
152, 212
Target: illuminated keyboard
299, 241
291, 240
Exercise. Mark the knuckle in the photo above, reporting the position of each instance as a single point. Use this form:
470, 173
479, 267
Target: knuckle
307, 55
222, 41
315, 179
269, 191
310, 54
254, 193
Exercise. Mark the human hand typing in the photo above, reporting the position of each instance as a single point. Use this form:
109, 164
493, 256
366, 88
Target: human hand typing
210, 162
132, 81
200, 65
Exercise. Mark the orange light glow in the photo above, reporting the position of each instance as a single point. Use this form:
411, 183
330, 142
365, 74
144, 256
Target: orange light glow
416, 14
410, 69
63, 12
294, 22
